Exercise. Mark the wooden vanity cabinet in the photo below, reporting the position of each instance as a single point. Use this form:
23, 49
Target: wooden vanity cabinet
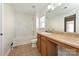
43, 46
46, 47
51, 48
38, 42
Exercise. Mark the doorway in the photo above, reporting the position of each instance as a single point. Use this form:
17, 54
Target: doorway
70, 23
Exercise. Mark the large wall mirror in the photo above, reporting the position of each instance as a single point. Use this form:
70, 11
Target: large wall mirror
70, 23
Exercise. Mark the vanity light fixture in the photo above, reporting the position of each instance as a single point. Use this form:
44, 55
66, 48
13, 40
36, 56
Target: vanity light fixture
59, 4
52, 6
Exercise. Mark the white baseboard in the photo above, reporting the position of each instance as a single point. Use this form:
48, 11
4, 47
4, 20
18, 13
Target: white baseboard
22, 43
7, 53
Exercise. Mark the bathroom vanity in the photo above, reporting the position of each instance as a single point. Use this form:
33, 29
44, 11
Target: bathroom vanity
47, 43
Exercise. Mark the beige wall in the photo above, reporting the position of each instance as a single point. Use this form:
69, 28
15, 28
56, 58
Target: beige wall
18, 28
24, 28
57, 22
9, 27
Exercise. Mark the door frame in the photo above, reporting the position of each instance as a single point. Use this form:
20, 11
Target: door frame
1, 29
67, 19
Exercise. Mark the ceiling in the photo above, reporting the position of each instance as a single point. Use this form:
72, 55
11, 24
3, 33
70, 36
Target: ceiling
64, 9
30, 8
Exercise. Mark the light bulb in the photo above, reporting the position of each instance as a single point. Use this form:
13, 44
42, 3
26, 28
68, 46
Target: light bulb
49, 6
52, 8
59, 4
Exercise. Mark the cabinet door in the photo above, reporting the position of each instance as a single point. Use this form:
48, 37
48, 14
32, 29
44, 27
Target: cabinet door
51, 48
38, 42
43, 46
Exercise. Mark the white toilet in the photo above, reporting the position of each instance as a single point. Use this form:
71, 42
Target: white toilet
33, 41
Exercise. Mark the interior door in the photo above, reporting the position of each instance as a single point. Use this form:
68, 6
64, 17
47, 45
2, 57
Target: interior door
0, 31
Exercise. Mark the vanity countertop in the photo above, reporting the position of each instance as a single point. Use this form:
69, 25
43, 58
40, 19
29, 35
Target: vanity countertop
63, 37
